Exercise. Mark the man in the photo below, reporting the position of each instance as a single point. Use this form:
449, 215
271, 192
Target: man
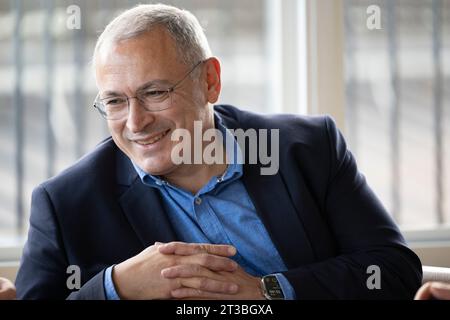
140, 225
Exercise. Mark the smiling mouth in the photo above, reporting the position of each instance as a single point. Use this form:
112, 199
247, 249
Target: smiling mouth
153, 139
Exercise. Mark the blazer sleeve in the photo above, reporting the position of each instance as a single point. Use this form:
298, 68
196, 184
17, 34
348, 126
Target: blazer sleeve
42, 272
365, 236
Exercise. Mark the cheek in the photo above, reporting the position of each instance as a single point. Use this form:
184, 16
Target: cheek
183, 114
116, 130
114, 127
174, 116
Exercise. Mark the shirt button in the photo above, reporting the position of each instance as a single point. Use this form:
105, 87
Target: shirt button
198, 201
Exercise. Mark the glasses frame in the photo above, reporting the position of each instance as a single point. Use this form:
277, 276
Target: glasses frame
102, 110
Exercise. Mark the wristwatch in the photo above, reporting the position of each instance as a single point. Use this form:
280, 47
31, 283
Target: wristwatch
271, 288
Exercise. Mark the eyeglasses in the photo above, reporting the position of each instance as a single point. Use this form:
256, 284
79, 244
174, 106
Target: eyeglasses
152, 99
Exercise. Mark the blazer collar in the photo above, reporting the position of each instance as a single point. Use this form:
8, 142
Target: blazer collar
125, 173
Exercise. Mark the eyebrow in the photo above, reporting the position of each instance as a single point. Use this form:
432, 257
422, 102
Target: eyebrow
147, 85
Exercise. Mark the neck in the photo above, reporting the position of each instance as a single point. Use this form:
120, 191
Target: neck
192, 177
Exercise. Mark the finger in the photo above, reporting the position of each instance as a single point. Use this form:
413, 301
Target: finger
181, 248
212, 262
185, 249
189, 293
185, 271
440, 290
189, 271
209, 285
189, 275
424, 292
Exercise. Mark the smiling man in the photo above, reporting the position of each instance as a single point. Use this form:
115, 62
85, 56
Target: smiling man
140, 226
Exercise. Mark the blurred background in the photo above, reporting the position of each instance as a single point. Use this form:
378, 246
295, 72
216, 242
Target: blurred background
388, 87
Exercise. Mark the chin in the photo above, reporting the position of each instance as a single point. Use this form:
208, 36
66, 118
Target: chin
158, 170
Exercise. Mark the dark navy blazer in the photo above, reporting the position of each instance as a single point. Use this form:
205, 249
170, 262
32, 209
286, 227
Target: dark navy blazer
325, 221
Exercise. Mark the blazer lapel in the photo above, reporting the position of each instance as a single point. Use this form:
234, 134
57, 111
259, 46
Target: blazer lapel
274, 206
142, 206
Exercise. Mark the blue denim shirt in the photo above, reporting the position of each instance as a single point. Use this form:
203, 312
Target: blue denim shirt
220, 212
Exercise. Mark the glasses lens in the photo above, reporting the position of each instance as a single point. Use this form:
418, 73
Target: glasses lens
156, 99
113, 108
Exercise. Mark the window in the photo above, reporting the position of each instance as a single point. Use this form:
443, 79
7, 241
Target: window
397, 110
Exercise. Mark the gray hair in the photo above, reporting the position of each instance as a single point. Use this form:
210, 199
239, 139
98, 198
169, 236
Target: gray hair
181, 25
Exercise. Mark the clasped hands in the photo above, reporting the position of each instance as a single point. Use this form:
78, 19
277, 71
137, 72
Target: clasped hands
179, 270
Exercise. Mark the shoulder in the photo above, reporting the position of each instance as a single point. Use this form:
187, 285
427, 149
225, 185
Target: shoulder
312, 144
296, 128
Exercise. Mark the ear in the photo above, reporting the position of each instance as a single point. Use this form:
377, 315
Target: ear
213, 82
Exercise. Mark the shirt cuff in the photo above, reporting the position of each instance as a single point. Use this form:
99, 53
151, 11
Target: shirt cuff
288, 290
110, 290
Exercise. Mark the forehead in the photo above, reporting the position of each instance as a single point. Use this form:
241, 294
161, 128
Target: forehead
152, 54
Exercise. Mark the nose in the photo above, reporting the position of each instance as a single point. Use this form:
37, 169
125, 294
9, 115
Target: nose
138, 117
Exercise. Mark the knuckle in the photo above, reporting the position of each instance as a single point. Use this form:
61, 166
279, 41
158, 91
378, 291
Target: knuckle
207, 259
223, 287
232, 264
173, 261
195, 269
194, 249
203, 284
177, 283
198, 293
174, 244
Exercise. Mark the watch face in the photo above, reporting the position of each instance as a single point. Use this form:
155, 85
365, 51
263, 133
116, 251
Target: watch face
273, 288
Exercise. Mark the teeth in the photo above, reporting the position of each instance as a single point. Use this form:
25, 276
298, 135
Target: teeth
152, 140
